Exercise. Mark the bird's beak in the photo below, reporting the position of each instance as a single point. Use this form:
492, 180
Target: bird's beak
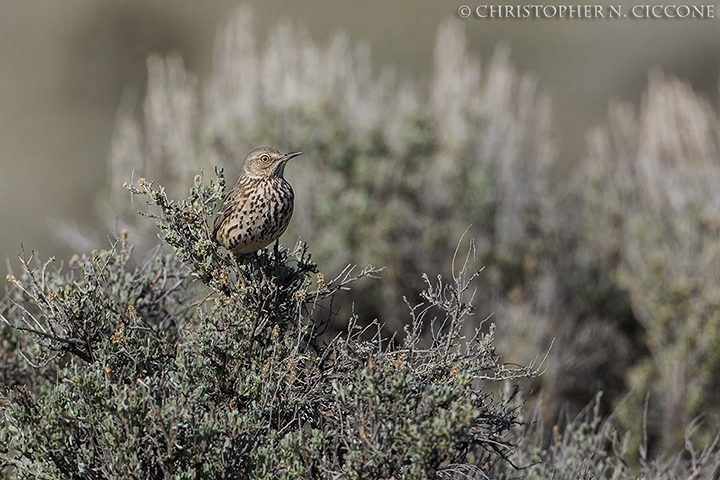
290, 155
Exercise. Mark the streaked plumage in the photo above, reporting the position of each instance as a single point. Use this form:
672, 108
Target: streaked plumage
258, 209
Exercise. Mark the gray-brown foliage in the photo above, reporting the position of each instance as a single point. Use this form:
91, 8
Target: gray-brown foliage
195, 365
616, 260
653, 218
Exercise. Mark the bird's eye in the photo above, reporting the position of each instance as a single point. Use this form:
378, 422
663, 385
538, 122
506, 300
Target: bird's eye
265, 158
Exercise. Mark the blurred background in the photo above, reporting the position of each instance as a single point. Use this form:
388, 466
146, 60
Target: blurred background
63, 66
584, 153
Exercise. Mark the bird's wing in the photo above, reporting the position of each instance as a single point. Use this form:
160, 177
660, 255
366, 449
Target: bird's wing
226, 208
228, 205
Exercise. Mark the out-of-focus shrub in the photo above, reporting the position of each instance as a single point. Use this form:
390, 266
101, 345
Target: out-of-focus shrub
653, 219
591, 445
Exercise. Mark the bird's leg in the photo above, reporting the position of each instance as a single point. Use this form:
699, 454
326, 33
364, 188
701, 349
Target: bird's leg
265, 280
276, 251
238, 272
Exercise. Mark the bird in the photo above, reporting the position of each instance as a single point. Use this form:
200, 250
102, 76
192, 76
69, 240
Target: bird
258, 208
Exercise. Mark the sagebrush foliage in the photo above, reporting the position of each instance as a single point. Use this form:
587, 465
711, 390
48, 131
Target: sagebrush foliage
196, 365
653, 217
616, 261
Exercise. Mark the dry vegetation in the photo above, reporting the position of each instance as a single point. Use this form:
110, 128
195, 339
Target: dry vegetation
617, 262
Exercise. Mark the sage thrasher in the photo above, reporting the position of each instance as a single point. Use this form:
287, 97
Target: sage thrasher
257, 210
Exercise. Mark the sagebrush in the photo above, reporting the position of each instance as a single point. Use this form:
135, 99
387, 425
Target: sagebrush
196, 365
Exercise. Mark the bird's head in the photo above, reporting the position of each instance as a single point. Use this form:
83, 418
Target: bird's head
266, 162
